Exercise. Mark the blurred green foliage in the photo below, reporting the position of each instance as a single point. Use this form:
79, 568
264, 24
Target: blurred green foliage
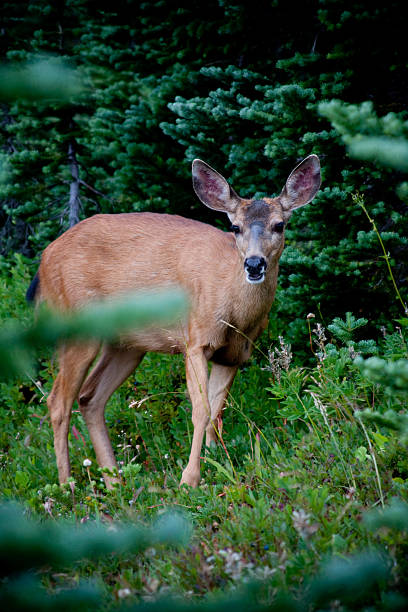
391, 374
101, 321
42, 79
26, 545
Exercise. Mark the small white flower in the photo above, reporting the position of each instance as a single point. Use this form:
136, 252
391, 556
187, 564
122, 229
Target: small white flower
131, 502
166, 456
123, 593
86, 462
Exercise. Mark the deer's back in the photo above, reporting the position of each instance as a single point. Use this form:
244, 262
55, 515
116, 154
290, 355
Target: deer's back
110, 254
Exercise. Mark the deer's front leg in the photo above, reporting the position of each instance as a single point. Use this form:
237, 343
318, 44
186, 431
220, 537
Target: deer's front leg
221, 379
197, 384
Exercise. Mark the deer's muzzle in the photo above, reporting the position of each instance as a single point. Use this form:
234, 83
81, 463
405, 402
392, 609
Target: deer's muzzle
255, 269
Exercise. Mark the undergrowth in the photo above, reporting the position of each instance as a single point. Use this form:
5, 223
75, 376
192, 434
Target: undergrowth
302, 467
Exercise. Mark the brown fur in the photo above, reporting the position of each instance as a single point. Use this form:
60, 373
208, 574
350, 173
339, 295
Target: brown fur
107, 255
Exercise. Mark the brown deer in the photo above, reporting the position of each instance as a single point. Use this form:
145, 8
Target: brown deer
230, 279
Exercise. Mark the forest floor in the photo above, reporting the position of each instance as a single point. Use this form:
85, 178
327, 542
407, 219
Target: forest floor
290, 492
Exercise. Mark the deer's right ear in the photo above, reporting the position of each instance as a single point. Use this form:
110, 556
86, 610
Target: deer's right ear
212, 188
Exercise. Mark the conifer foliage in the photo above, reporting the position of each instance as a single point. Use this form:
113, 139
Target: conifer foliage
246, 86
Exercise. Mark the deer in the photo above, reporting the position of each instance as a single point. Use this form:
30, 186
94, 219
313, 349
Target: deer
230, 279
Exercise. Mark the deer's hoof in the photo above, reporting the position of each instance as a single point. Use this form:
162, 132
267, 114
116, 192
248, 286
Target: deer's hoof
190, 478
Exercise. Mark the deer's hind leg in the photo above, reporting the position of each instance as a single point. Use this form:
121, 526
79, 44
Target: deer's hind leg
74, 362
112, 369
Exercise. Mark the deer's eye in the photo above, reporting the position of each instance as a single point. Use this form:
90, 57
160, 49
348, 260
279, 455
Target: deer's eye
235, 228
278, 227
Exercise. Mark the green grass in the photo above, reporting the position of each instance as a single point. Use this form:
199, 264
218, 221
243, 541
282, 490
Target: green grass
300, 473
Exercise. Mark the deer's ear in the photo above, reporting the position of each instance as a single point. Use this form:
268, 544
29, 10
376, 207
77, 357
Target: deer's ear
212, 188
302, 185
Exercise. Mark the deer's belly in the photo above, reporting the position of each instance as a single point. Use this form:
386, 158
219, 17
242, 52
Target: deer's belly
159, 340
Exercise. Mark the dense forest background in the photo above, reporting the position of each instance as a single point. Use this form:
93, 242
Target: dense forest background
249, 89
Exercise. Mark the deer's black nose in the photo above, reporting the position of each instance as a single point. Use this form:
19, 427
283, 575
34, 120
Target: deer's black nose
255, 265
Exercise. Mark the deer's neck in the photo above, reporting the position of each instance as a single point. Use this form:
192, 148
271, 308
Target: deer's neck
252, 302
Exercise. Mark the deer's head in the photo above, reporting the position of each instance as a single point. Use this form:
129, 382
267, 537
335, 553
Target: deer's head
258, 225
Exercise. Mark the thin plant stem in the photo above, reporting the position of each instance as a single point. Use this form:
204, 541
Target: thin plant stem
308, 416
322, 409
310, 334
377, 473
251, 425
358, 199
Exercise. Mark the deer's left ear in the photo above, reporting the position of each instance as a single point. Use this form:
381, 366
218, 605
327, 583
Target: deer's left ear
302, 185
